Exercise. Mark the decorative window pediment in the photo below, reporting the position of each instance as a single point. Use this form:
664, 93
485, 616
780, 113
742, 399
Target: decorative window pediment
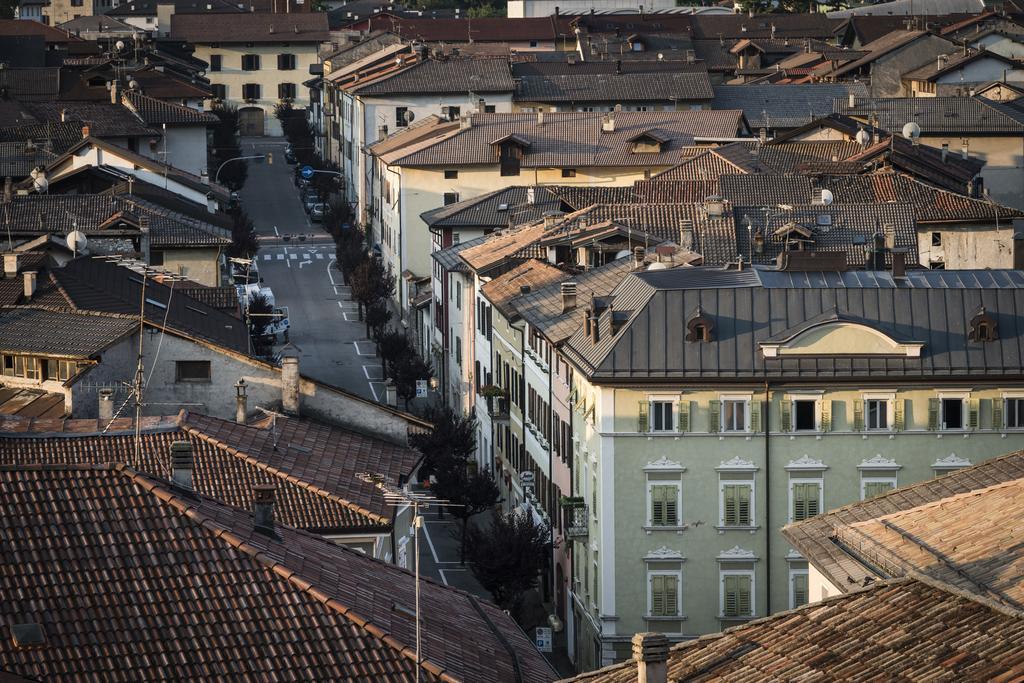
806, 462
951, 461
700, 328
737, 554
839, 338
662, 554
663, 464
737, 464
879, 462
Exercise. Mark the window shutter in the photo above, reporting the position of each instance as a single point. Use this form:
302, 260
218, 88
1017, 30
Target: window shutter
731, 606
799, 589
743, 598
997, 413
671, 496
876, 488
684, 416
657, 506
642, 423
898, 421
743, 500
858, 415
972, 413
933, 414
826, 415
799, 505
714, 415
755, 416
786, 418
812, 498
671, 596
730, 505
657, 596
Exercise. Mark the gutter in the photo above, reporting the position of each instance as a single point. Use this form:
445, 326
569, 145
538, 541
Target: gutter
516, 668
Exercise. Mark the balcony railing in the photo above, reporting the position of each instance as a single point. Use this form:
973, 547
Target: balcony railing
577, 519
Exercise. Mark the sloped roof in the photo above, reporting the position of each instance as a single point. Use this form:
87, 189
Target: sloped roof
736, 26
486, 211
31, 82
946, 63
60, 333
602, 82
573, 139
156, 112
941, 635
759, 303
31, 403
532, 274
499, 246
480, 29
251, 27
938, 115
104, 119
344, 616
21, 27
815, 538
452, 75
784, 106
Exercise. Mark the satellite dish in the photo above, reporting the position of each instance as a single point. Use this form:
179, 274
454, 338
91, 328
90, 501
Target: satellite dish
409, 116
827, 197
133, 84
863, 137
77, 241
41, 183
622, 254
911, 131
119, 45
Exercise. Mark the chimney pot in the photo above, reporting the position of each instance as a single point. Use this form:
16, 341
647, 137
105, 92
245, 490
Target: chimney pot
524, 289
30, 279
899, 263
638, 256
11, 264
106, 408
181, 464
115, 92
263, 507
85, 131
290, 385
8, 190
568, 296
650, 652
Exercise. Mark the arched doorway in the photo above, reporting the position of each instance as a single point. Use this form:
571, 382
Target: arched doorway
250, 121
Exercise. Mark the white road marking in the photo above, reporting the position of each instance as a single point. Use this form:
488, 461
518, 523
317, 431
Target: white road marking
319, 256
360, 352
276, 232
280, 257
377, 370
293, 256
267, 257
426, 535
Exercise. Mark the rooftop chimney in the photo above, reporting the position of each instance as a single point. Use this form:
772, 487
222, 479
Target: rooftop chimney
638, 257
524, 289
106, 409
263, 507
144, 237
686, 234
552, 217
608, 124
650, 652
115, 92
568, 296
30, 284
853, 100
11, 264
899, 263
540, 117
595, 334
466, 122
85, 131
8, 190
241, 403
181, 464
290, 385
211, 203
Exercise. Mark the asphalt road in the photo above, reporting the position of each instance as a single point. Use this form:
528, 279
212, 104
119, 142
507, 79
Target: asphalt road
325, 333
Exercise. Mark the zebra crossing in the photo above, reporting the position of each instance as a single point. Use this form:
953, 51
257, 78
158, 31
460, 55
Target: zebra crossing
292, 254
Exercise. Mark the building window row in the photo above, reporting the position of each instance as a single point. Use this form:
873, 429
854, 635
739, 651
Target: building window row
736, 596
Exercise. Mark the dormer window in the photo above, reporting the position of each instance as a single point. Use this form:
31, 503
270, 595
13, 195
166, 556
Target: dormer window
699, 328
649, 142
983, 327
510, 150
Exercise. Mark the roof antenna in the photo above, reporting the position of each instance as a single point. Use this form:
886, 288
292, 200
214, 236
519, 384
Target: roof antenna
273, 423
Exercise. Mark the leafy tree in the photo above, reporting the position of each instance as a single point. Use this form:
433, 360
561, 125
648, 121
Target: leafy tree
470, 492
378, 315
226, 146
392, 345
244, 243
485, 10
408, 369
507, 557
258, 313
452, 438
371, 281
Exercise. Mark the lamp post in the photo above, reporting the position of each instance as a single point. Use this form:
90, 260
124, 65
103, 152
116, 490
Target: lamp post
268, 157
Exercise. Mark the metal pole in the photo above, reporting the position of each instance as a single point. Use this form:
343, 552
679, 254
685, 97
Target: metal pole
416, 548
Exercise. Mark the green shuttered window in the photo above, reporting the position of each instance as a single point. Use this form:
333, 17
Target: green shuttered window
806, 500
664, 505
664, 595
737, 596
736, 504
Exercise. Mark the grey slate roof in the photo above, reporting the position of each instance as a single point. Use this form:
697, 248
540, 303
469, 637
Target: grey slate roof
448, 258
849, 228
486, 212
784, 106
31, 82
17, 163
602, 82
156, 112
750, 306
573, 139
487, 75
938, 115
103, 118
60, 333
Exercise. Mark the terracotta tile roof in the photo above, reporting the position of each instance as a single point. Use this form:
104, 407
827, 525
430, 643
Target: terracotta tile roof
60, 333
253, 27
222, 298
532, 274
20, 27
31, 82
736, 26
903, 630
500, 246
815, 537
286, 605
486, 211
482, 29
105, 120
573, 139
452, 75
578, 197
601, 82
157, 112
31, 403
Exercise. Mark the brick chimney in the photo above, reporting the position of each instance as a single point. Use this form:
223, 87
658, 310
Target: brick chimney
290, 385
263, 507
568, 296
181, 464
650, 652
106, 408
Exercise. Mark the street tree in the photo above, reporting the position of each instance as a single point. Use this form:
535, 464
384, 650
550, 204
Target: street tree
244, 243
259, 312
507, 557
453, 438
225, 145
391, 346
408, 370
378, 315
470, 492
371, 281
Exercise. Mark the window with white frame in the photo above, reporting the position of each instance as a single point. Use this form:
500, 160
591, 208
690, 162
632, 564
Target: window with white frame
805, 414
876, 412
735, 413
1013, 413
664, 594
661, 415
736, 503
664, 502
736, 595
798, 594
952, 411
805, 498
876, 485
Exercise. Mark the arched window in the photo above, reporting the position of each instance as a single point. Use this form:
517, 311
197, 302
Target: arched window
699, 328
984, 327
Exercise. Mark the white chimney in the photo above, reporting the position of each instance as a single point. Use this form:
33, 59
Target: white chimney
11, 264
106, 408
568, 296
540, 117
608, 124
30, 283
290, 385
181, 464
115, 92
466, 122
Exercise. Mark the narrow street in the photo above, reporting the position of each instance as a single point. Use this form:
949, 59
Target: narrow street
296, 260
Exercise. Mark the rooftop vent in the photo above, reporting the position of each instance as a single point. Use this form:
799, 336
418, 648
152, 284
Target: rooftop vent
263, 507
28, 635
824, 219
181, 464
568, 290
502, 207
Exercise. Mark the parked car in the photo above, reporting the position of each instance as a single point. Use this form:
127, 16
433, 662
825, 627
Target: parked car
319, 212
310, 198
289, 155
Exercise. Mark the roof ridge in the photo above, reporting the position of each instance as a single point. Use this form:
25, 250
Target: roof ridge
219, 530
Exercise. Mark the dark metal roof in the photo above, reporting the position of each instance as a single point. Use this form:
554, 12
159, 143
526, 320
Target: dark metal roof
63, 333
784, 106
494, 210
604, 82
448, 258
452, 75
937, 115
753, 305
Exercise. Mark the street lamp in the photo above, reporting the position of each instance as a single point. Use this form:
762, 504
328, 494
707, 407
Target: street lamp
268, 157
